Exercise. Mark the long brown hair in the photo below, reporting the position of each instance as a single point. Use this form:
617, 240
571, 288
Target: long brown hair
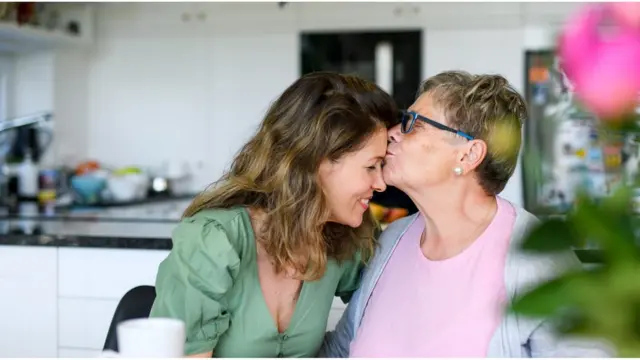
320, 116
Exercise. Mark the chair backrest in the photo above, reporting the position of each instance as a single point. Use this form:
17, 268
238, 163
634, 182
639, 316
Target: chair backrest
135, 304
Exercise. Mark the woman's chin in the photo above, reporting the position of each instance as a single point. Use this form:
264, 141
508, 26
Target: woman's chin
353, 222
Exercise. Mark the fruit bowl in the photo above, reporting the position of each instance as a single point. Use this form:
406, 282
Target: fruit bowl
88, 187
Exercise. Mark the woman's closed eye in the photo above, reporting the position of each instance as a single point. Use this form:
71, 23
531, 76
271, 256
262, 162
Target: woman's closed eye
375, 166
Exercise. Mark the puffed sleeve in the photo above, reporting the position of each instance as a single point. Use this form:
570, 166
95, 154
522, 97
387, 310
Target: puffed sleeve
350, 279
193, 280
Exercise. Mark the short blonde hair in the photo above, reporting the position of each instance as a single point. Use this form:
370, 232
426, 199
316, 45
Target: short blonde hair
486, 107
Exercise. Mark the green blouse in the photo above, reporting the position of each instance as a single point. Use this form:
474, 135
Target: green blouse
210, 281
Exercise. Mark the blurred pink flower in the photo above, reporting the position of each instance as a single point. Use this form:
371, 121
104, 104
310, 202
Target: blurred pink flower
604, 68
627, 13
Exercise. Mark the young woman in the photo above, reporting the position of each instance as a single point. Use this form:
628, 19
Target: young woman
257, 260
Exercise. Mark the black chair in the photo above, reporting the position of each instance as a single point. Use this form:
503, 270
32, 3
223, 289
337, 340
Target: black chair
135, 304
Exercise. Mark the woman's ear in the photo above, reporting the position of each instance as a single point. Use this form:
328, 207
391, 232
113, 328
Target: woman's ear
474, 154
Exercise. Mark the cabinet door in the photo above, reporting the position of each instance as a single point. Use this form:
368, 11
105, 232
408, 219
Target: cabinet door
92, 282
106, 273
28, 301
84, 323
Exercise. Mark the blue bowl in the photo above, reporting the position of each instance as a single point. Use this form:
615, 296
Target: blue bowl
88, 188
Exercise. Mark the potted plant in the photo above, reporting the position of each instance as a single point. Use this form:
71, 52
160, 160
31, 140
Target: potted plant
599, 49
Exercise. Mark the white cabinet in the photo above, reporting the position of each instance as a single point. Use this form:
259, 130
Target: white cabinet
28, 301
83, 323
106, 273
337, 309
60, 301
91, 283
78, 353
334, 316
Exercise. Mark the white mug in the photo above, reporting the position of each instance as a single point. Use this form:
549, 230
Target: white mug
151, 338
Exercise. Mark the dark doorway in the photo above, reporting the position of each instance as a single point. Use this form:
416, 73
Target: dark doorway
354, 52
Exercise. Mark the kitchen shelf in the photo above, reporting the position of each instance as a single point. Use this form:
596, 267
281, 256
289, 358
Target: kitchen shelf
25, 38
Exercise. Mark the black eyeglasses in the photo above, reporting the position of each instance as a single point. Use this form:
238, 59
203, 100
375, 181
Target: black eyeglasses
408, 119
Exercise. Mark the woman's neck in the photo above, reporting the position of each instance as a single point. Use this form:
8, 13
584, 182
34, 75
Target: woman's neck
454, 218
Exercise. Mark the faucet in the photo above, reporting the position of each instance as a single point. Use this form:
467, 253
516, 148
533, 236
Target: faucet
25, 120
5, 141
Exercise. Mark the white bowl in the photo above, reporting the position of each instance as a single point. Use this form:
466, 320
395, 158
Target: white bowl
141, 182
122, 188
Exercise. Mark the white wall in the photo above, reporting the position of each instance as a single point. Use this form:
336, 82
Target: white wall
199, 76
201, 96
34, 83
7, 86
71, 106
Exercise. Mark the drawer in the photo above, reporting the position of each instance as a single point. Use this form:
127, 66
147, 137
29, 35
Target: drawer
28, 315
106, 273
83, 323
28, 262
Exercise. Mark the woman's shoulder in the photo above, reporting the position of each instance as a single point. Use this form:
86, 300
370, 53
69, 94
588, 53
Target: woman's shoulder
388, 239
225, 232
394, 231
225, 217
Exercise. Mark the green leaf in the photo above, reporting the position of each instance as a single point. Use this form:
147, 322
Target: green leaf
575, 291
550, 236
608, 224
628, 123
620, 202
575, 323
545, 300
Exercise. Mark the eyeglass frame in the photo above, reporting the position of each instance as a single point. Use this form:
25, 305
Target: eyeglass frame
406, 116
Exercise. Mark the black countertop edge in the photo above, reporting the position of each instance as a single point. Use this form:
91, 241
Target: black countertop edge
120, 242
104, 242
89, 218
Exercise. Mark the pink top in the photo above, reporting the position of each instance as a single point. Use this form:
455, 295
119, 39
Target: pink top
448, 308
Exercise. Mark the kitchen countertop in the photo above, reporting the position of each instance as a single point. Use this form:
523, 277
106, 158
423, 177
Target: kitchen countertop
144, 226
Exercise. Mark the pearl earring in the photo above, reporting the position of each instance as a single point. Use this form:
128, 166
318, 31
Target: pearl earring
457, 170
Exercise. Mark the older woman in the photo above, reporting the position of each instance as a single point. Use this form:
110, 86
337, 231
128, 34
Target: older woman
442, 277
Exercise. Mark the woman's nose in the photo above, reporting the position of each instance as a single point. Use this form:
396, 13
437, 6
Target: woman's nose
394, 134
378, 184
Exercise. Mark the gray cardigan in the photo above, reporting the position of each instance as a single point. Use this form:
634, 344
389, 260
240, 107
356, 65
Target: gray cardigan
516, 336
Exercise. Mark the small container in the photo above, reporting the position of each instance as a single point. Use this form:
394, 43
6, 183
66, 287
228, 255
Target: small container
47, 182
12, 200
28, 178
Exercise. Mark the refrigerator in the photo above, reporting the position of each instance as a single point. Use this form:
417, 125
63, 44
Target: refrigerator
564, 152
